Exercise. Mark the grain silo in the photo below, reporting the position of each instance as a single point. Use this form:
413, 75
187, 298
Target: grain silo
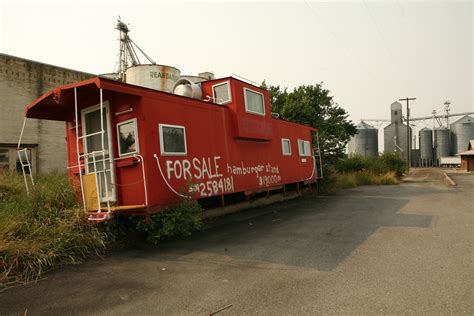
426, 147
365, 142
395, 134
132, 71
462, 131
442, 141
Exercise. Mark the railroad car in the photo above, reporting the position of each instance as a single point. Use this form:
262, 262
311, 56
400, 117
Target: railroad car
134, 149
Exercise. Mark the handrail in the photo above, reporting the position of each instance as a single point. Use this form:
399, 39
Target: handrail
140, 158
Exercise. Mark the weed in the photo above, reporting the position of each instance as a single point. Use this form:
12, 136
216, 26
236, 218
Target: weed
176, 220
44, 229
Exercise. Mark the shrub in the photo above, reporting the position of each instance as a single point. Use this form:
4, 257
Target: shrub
388, 162
353, 163
345, 181
365, 178
176, 220
393, 163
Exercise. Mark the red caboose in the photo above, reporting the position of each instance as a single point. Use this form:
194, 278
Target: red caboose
152, 148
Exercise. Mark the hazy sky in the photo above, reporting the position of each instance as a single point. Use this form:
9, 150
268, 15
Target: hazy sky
368, 53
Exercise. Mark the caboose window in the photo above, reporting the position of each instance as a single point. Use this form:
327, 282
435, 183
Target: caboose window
304, 148
127, 134
172, 140
254, 102
286, 147
221, 93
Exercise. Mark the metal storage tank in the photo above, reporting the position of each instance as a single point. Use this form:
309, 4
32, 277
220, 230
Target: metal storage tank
426, 147
188, 89
462, 131
443, 144
158, 77
365, 142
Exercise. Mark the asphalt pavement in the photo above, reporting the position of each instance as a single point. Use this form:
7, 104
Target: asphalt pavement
369, 250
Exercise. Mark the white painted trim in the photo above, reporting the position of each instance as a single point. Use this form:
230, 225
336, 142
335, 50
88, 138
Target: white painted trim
303, 154
228, 91
263, 102
137, 143
162, 149
283, 147
109, 138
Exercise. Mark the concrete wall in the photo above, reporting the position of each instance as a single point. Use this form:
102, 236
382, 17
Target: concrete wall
21, 82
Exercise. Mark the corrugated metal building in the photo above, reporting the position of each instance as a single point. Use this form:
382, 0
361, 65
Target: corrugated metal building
365, 142
21, 82
395, 134
462, 131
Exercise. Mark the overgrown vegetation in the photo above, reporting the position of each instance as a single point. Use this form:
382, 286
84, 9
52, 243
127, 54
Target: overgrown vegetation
49, 228
42, 230
388, 162
176, 220
358, 170
354, 179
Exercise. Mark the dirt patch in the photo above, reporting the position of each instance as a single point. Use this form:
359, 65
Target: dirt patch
433, 175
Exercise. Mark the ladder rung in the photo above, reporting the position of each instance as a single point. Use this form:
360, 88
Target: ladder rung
95, 152
91, 134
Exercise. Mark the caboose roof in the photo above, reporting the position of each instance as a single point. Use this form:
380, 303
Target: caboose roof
58, 102
54, 104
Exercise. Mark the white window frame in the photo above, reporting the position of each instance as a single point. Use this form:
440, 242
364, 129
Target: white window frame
283, 140
303, 142
228, 91
93, 108
137, 143
162, 147
246, 107
110, 150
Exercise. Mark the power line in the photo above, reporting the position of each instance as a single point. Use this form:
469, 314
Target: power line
320, 18
383, 42
401, 7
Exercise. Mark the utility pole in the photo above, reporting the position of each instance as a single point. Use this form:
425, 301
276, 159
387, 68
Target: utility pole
407, 99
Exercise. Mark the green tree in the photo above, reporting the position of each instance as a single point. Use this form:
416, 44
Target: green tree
314, 106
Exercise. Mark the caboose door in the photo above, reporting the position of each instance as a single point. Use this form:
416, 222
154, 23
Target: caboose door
97, 149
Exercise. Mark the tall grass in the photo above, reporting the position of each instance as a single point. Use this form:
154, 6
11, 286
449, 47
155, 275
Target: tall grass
354, 179
388, 162
358, 170
43, 230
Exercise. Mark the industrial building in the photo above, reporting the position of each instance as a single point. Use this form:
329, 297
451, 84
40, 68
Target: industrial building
442, 147
438, 145
395, 134
21, 82
467, 157
462, 131
365, 141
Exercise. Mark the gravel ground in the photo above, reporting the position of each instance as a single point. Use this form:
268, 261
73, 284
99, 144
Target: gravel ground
369, 250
